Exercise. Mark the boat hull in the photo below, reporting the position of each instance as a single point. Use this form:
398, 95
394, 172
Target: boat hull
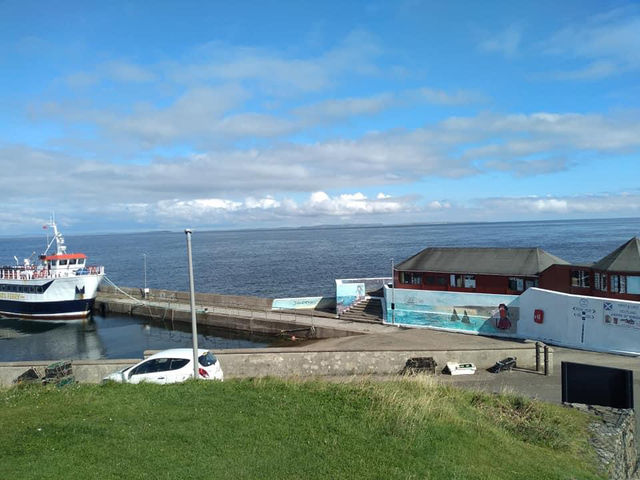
61, 310
56, 299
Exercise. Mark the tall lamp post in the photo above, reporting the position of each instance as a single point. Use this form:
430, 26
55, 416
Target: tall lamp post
393, 293
192, 298
144, 256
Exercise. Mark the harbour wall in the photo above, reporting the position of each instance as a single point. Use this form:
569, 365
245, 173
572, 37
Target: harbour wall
171, 296
289, 362
232, 312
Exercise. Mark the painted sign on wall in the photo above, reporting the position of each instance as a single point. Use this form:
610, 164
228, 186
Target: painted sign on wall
581, 321
295, 303
621, 314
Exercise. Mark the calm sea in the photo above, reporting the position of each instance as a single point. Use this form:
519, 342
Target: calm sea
306, 262
292, 263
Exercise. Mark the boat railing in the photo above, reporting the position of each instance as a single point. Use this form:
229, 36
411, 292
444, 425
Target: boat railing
33, 272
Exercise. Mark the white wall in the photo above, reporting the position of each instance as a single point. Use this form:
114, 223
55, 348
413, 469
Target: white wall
582, 322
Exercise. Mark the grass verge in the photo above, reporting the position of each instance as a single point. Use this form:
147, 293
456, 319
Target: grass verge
269, 428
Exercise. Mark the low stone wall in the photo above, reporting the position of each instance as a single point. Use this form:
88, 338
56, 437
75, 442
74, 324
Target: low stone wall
287, 362
613, 437
84, 371
283, 362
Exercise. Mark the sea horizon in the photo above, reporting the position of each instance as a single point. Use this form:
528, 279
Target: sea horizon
337, 226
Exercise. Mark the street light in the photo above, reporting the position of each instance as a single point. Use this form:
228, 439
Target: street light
192, 298
146, 291
393, 293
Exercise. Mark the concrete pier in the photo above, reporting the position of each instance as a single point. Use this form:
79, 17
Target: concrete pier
233, 312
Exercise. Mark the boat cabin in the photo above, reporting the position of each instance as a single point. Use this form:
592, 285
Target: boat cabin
64, 263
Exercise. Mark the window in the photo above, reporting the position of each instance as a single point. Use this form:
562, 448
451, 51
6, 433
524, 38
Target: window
596, 281
469, 281
143, 368
516, 284
63, 262
455, 280
603, 282
580, 278
178, 363
633, 285
72, 261
162, 365
153, 366
618, 284
54, 263
410, 278
530, 283
207, 359
81, 261
614, 283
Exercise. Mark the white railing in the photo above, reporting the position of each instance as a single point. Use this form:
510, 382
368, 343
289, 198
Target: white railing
28, 273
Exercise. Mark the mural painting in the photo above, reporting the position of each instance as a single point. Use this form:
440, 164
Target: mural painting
350, 290
295, 303
486, 314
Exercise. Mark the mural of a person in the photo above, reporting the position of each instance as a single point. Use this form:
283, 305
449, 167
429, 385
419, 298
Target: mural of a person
503, 322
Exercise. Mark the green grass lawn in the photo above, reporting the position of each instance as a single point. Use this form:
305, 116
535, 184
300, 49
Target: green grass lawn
409, 428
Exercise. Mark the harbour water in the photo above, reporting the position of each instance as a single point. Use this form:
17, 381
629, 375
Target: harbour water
271, 263
113, 336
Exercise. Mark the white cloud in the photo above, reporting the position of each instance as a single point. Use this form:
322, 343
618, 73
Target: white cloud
126, 72
612, 204
345, 107
275, 73
441, 97
350, 204
506, 42
524, 145
318, 206
609, 43
115, 70
438, 205
263, 203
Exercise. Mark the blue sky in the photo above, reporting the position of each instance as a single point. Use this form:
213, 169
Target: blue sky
122, 116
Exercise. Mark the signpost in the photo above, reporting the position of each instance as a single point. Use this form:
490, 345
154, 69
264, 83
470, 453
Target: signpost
584, 314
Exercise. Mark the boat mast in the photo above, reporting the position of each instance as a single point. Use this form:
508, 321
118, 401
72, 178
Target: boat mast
61, 248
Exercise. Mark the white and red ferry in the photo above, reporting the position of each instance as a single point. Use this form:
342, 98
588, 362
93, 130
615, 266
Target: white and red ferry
60, 286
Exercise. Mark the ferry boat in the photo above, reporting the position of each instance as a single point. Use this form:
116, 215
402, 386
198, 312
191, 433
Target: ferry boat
60, 286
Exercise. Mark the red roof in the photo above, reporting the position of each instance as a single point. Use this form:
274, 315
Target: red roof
66, 256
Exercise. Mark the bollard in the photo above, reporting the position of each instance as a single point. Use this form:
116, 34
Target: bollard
548, 360
538, 354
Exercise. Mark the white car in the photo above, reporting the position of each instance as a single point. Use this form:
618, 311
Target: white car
170, 366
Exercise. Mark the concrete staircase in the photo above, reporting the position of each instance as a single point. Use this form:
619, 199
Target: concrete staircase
368, 310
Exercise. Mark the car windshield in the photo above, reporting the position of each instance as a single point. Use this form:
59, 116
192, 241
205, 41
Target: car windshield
207, 359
